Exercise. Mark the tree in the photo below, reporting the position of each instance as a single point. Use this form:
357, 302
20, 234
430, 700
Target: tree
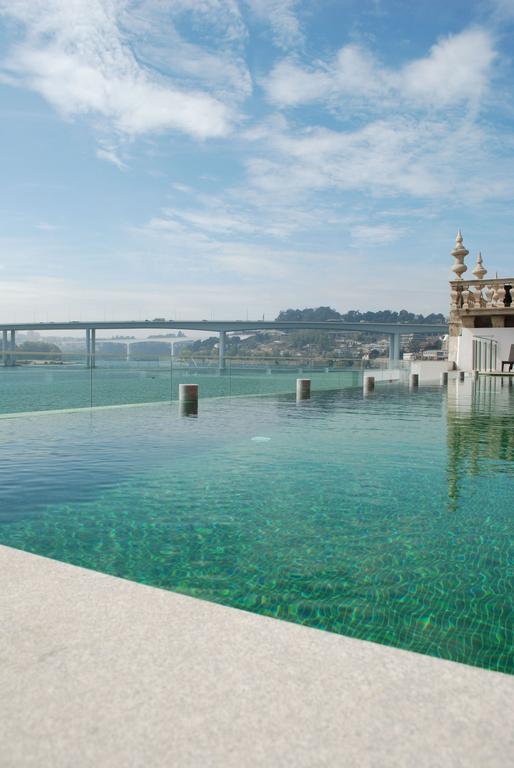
38, 350
320, 314
356, 316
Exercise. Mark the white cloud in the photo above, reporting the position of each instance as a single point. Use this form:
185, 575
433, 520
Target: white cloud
414, 156
357, 71
353, 72
217, 64
222, 17
46, 227
281, 17
290, 84
183, 188
375, 234
76, 56
217, 221
246, 260
385, 156
211, 220
412, 131
503, 10
109, 153
457, 69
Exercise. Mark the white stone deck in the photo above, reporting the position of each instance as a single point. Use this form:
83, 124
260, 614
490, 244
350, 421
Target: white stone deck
97, 671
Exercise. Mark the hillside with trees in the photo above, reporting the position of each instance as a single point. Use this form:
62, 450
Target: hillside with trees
319, 344
39, 351
356, 316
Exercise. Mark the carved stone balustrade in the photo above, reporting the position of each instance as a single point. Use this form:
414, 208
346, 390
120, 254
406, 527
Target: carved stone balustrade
482, 294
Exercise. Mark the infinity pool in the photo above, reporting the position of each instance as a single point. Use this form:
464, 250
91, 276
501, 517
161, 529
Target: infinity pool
385, 517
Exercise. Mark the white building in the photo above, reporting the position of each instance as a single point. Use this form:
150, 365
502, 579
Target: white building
481, 328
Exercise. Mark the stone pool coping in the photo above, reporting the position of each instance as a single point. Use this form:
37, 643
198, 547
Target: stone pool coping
99, 671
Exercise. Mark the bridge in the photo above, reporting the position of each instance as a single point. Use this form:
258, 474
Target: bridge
391, 330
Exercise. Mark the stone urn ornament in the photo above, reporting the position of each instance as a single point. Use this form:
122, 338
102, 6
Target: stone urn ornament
459, 253
480, 271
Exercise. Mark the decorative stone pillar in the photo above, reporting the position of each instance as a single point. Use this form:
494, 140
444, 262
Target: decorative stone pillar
489, 296
480, 271
303, 389
454, 302
459, 253
499, 296
188, 399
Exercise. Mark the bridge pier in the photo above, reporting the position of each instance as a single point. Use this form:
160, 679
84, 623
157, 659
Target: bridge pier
221, 351
394, 347
93, 348
12, 356
88, 347
397, 349
5, 356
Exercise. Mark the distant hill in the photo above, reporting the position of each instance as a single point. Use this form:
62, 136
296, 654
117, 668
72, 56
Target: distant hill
356, 316
149, 350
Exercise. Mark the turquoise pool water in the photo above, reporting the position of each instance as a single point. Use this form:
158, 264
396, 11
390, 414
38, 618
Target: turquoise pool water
386, 518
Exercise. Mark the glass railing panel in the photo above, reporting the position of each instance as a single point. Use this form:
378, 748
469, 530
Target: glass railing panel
132, 383
67, 382
272, 376
41, 384
206, 373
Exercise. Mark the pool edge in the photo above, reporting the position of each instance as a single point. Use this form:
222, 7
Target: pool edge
165, 676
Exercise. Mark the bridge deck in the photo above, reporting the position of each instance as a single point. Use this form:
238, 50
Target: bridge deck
230, 325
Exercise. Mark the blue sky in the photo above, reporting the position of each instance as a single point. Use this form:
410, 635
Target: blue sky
215, 158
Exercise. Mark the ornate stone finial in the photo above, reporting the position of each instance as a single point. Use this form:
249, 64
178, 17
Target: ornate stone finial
479, 270
459, 253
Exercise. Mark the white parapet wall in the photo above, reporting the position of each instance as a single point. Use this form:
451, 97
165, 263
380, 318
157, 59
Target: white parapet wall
504, 337
387, 374
429, 371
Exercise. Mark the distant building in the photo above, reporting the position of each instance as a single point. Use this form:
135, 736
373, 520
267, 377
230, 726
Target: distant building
406, 340
481, 328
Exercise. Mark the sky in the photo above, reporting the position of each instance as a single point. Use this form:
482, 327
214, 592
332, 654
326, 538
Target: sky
232, 158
